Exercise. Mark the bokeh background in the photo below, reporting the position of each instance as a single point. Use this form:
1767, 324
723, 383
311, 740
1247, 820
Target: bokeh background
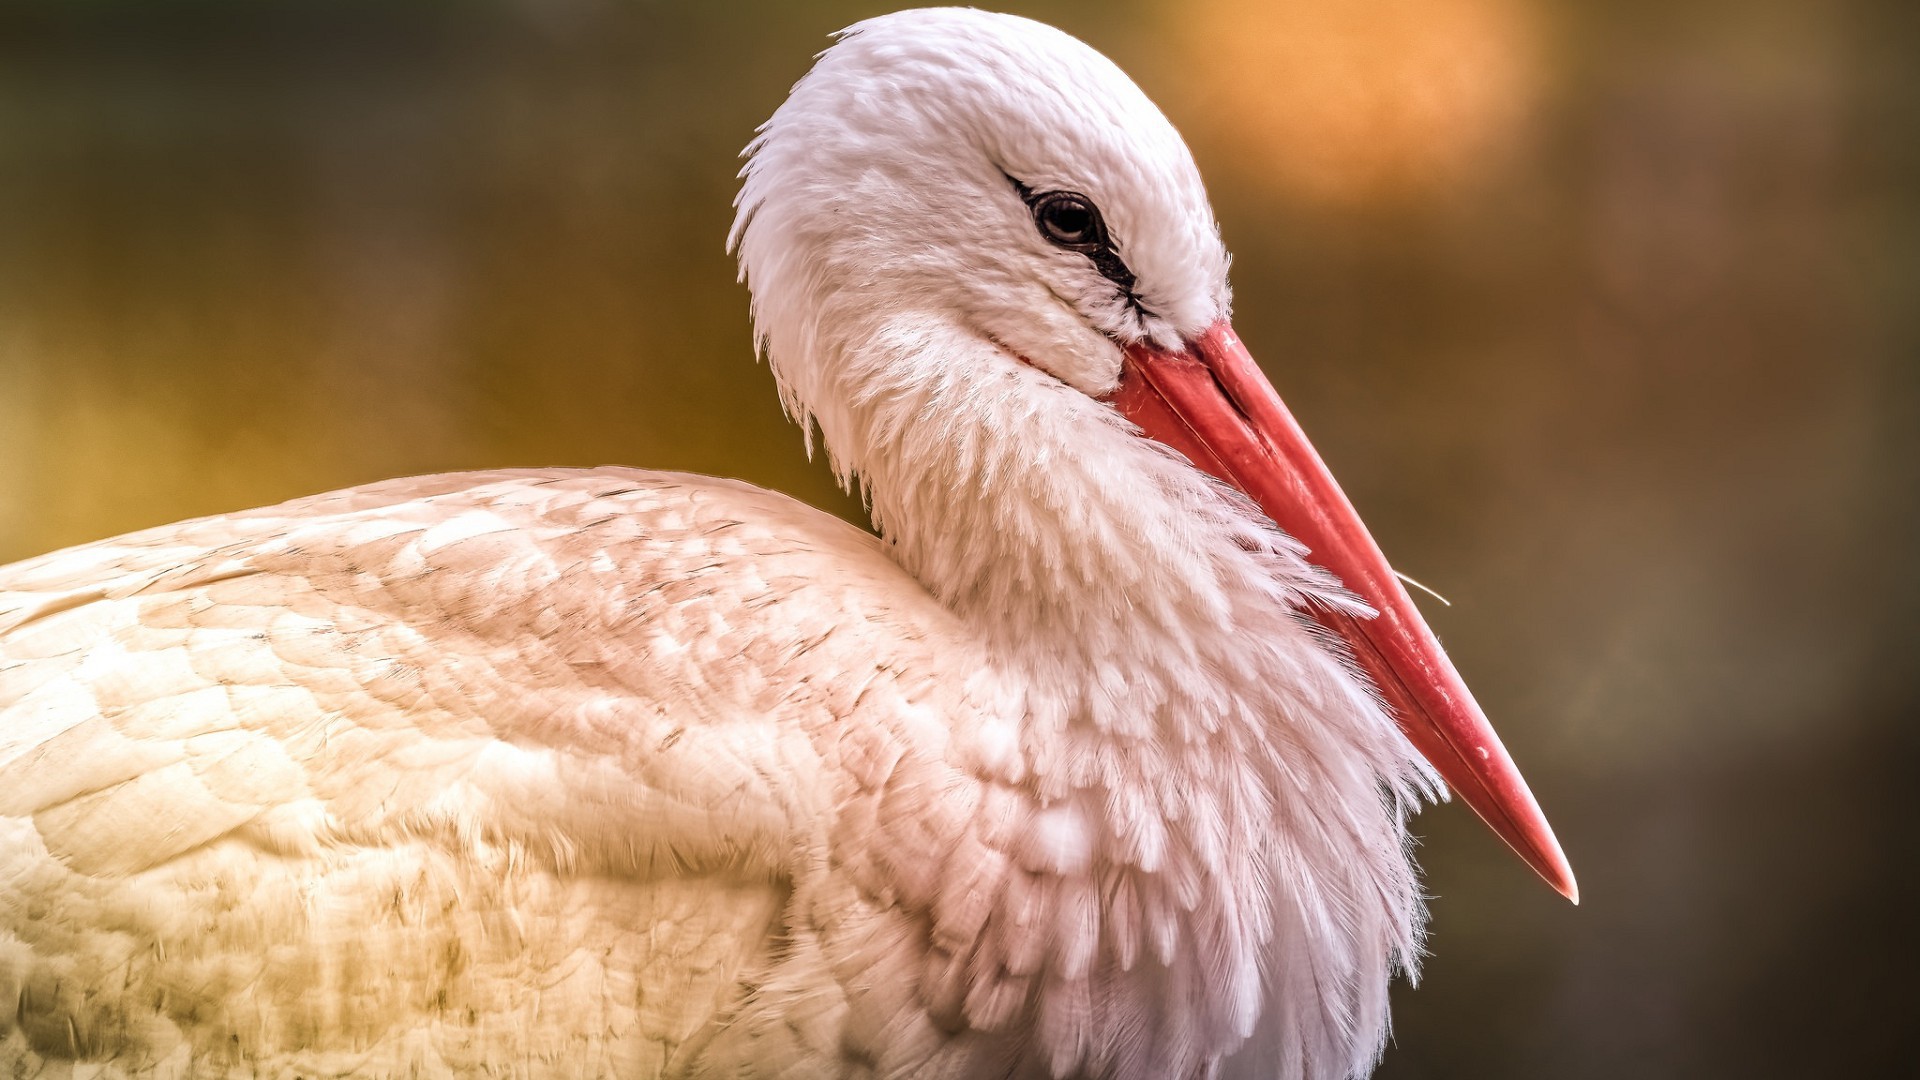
1604, 313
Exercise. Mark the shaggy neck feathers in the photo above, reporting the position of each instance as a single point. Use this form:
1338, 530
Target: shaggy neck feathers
1243, 794
1222, 755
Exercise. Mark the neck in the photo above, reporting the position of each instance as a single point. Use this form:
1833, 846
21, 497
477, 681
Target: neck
1034, 512
1070, 542
1169, 687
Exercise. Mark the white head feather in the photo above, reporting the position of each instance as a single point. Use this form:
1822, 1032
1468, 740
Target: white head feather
889, 174
955, 361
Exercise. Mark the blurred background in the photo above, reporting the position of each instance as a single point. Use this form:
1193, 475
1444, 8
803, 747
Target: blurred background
1605, 315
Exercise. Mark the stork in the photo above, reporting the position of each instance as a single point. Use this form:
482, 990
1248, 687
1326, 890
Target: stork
1085, 765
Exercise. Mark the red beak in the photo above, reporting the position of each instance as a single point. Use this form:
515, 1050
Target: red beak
1210, 402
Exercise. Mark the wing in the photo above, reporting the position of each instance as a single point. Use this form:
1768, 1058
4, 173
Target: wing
443, 773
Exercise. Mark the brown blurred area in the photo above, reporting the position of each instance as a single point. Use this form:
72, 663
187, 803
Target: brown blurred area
1605, 314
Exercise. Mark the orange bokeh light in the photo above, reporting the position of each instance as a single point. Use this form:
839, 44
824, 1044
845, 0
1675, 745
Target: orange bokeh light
1360, 101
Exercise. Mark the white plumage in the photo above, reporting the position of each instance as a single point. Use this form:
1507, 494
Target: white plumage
623, 773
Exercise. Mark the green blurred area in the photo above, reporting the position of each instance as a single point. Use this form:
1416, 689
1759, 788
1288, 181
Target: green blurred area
1604, 314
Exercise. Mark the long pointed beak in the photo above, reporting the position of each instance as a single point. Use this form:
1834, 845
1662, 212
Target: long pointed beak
1211, 402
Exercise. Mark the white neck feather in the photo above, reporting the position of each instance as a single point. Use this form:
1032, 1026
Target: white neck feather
1171, 687
1202, 741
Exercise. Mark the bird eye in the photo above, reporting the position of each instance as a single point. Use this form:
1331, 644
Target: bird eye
1069, 220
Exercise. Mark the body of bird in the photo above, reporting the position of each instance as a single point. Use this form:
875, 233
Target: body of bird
622, 773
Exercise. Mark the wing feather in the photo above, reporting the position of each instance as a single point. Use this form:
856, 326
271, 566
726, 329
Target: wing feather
461, 769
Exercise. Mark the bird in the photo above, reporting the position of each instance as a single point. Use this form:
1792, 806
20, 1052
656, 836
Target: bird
1093, 758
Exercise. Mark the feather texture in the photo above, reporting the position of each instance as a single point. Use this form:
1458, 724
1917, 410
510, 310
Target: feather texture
610, 772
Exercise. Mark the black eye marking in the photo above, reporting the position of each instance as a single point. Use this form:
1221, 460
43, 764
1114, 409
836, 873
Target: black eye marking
1068, 219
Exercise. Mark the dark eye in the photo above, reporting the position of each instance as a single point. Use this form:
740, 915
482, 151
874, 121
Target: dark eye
1069, 220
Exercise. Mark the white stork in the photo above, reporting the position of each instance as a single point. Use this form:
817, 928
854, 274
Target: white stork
568, 773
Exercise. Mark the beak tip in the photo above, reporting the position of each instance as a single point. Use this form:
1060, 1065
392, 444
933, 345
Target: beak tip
1518, 820
1565, 885
1547, 860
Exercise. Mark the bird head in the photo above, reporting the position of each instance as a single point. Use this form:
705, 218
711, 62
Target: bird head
1002, 181
986, 169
